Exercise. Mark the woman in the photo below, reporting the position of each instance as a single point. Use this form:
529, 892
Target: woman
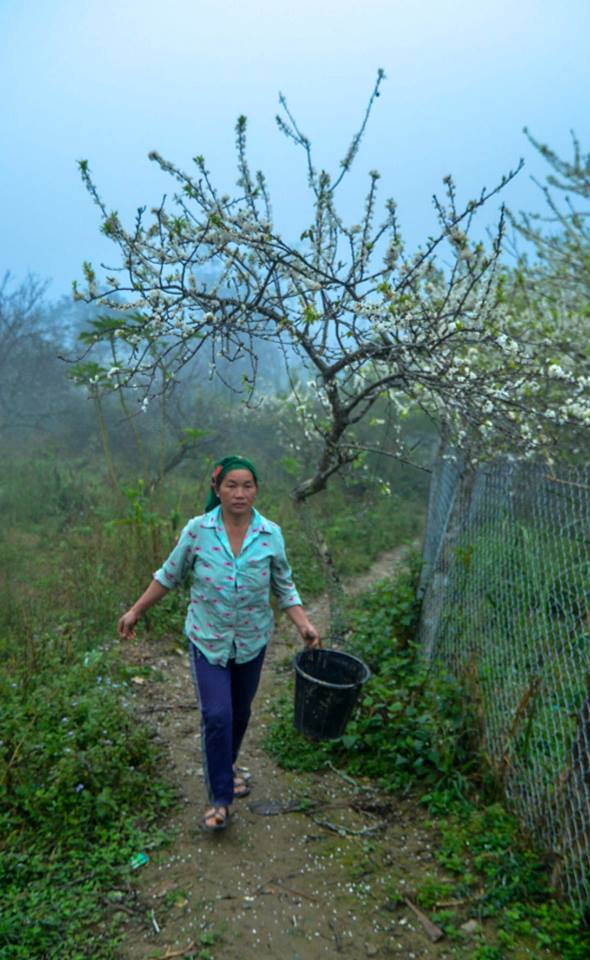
236, 557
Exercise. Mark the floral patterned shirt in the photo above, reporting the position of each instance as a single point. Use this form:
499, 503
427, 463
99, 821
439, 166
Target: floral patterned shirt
229, 614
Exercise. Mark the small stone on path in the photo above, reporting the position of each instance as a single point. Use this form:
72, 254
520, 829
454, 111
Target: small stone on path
470, 928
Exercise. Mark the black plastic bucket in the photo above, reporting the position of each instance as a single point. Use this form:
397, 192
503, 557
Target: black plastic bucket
327, 685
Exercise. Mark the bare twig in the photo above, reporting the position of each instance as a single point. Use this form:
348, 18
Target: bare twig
442, 904
190, 948
337, 937
347, 831
570, 483
344, 776
276, 881
529, 694
161, 707
119, 906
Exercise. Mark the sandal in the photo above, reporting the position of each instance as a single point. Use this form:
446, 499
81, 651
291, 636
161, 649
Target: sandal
241, 787
219, 815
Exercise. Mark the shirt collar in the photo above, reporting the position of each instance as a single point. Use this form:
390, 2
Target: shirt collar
258, 523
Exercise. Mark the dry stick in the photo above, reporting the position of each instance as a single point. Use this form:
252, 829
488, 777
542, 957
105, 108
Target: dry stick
472, 675
441, 904
304, 807
570, 483
104, 438
176, 953
346, 831
15, 754
330, 804
529, 693
563, 782
337, 937
157, 708
351, 780
119, 906
283, 886
431, 930
262, 889
130, 419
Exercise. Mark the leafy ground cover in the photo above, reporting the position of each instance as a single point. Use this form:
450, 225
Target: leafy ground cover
80, 794
415, 733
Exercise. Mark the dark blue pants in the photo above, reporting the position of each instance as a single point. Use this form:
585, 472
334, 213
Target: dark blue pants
225, 695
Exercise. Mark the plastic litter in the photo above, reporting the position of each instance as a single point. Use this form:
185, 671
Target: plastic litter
138, 860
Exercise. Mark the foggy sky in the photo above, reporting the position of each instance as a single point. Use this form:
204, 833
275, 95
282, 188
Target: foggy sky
109, 80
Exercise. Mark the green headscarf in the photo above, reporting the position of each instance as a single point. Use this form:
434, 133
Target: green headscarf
220, 469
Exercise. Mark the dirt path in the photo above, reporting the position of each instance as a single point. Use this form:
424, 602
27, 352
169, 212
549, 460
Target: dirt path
299, 884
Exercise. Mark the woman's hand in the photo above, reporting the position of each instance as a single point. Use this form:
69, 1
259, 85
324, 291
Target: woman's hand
153, 594
310, 636
305, 627
126, 625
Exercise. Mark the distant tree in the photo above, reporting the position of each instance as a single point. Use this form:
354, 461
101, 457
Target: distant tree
20, 333
560, 234
34, 392
366, 322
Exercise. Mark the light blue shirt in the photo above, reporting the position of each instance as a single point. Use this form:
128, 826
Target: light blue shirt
229, 613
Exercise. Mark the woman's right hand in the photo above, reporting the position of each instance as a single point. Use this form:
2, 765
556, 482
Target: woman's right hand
126, 625
153, 594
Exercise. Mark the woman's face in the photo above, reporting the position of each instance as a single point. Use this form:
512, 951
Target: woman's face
237, 492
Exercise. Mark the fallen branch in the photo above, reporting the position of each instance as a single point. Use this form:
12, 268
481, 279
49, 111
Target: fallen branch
116, 905
159, 708
348, 831
283, 886
570, 483
431, 930
175, 953
442, 904
345, 776
337, 937
529, 694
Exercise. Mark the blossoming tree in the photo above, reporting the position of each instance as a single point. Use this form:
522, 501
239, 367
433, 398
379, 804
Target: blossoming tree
363, 321
550, 289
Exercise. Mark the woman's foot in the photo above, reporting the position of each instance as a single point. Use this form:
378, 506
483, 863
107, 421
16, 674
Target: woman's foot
215, 818
241, 787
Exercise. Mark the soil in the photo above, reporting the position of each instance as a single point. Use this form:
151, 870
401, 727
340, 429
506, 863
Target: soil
310, 865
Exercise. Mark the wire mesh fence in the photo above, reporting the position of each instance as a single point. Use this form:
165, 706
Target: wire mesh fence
506, 609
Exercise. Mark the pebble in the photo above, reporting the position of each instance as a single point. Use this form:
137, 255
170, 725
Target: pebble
470, 928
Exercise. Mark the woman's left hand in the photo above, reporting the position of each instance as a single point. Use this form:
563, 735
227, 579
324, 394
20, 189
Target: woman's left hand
310, 636
305, 627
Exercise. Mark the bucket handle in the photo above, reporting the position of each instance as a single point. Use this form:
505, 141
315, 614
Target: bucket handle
332, 686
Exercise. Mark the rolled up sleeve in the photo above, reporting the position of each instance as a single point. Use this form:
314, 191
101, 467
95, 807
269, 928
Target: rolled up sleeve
281, 578
176, 566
